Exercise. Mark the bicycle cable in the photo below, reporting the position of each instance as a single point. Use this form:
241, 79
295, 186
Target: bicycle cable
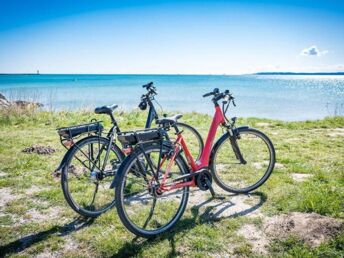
162, 110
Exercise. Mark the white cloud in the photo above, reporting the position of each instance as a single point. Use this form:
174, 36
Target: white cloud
313, 51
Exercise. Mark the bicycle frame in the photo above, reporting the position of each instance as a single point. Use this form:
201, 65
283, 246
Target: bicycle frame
202, 162
152, 114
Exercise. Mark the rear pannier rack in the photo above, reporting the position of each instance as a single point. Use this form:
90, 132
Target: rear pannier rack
68, 134
132, 138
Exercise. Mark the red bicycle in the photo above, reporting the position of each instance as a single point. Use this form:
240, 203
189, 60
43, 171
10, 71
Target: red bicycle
152, 184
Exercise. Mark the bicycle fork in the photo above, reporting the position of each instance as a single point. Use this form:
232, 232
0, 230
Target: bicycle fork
233, 140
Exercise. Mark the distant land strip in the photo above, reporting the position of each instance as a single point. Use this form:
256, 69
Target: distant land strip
291, 73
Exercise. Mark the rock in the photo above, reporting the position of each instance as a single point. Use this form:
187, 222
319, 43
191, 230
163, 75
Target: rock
2, 97
26, 104
4, 103
298, 177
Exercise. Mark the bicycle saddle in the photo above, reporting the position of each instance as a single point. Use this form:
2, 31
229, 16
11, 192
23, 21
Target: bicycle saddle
105, 109
169, 119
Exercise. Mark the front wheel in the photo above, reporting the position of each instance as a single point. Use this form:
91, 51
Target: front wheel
141, 207
244, 162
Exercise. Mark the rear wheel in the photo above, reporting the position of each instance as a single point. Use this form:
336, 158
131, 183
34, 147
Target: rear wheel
142, 209
242, 176
86, 176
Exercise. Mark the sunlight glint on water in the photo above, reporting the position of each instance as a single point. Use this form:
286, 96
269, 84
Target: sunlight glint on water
279, 97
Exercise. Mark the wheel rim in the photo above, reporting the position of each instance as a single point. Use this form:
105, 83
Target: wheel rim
235, 175
145, 210
88, 187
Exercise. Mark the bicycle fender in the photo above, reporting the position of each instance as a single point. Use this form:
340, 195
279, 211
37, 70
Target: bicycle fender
64, 159
222, 138
237, 130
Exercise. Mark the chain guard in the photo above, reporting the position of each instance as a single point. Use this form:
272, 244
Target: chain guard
201, 180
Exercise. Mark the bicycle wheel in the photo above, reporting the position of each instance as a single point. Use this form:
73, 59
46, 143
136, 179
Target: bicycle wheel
193, 138
142, 210
241, 177
86, 179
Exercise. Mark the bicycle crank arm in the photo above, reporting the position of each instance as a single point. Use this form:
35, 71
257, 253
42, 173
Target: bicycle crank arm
211, 189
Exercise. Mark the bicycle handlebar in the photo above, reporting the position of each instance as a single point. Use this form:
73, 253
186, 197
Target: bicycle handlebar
214, 92
219, 95
150, 88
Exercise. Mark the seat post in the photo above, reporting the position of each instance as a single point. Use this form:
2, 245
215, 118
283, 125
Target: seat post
113, 121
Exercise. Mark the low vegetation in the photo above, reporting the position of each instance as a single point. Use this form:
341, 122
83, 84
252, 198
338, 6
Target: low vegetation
308, 180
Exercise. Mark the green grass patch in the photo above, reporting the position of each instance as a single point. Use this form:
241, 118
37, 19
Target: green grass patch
301, 147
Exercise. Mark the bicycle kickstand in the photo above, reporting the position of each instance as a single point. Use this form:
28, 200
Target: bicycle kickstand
211, 189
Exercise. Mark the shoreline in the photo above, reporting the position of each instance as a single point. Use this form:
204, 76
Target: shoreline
35, 111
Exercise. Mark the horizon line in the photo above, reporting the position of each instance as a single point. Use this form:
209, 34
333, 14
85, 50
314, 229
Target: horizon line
181, 74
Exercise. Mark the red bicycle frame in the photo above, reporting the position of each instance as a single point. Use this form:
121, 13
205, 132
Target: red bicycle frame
202, 162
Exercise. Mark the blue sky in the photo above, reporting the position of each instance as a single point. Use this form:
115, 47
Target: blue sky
171, 37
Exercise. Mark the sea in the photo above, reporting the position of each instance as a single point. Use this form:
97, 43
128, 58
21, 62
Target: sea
283, 97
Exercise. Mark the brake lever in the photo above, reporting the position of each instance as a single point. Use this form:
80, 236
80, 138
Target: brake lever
233, 102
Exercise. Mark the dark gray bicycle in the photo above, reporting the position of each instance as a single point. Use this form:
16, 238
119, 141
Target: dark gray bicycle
90, 164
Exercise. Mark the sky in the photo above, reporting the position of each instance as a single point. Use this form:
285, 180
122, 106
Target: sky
171, 37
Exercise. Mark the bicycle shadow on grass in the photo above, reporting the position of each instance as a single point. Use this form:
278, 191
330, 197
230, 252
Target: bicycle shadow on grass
212, 214
29, 240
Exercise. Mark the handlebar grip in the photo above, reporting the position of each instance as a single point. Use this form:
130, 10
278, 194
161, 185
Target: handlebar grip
148, 85
208, 94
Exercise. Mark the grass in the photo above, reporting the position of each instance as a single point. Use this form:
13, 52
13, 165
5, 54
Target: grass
309, 147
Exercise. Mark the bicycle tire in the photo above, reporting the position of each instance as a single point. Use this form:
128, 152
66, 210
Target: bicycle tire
261, 180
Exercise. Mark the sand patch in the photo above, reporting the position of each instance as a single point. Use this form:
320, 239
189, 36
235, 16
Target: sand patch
263, 124
6, 196
220, 167
279, 165
231, 206
255, 237
46, 254
337, 132
309, 227
35, 189
260, 165
34, 215
70, 248
298, 177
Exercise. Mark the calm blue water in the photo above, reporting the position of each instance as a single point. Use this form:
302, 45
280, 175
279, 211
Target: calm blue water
283, 97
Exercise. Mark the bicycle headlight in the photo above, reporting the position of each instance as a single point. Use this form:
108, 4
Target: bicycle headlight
143, 105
